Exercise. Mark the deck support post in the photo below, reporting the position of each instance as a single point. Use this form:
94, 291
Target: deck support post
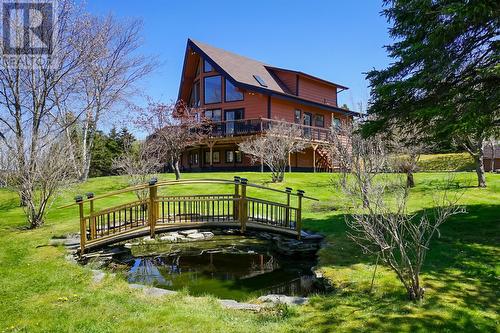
236, 202
300, 194
289, 162
153, 206
83, 231
211, 147
243, 209
314, 147
92, 220
287, 209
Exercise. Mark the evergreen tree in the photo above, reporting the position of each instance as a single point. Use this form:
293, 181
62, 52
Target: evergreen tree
445, 77
107, 148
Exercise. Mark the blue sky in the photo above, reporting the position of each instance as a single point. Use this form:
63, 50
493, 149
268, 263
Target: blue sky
334, 40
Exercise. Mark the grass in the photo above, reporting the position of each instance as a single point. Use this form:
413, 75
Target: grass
451, 162
40, 291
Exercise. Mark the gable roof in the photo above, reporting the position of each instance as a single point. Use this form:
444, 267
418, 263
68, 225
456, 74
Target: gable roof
241, 71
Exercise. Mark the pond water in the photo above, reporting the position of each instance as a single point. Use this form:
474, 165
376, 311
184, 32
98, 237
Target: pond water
227, 271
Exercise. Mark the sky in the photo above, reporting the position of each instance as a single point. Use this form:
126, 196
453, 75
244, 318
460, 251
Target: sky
335, 40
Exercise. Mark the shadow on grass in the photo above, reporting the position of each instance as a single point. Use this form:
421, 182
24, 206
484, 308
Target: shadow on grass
460, 274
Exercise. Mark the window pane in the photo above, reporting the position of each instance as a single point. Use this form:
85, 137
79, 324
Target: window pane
207, 67
297, 117
198, 68
320, 121
336, 122
232, 93
194, 100
229, 156
216, 157
238, 156
214, 115
213, 89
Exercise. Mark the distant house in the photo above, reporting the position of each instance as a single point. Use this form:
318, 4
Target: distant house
491, 157
242, 97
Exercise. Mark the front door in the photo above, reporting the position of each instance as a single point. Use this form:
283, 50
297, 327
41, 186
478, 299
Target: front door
232, 117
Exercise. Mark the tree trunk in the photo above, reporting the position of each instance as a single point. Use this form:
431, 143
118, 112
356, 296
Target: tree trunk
479, 160
410, 182
175, 168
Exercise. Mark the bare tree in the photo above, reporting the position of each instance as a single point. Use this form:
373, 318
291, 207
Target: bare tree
107, 78
171, 129
380, 221
362, 159
138, 164
407, 146
28, 86
46, 178
274, 147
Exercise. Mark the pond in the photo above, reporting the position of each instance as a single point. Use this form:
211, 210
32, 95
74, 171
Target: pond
225, 269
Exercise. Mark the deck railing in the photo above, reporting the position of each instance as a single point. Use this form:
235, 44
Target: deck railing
242, 127
162, 213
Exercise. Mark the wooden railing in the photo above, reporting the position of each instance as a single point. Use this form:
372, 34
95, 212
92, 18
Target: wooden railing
162, 213
243, 127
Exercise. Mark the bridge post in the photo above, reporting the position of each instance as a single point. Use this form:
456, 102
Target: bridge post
83, 231
287, 209
236, 202
300, 194
152, 209
243, 213
92, 221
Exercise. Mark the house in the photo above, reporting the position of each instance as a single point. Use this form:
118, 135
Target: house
242, 97
491, 159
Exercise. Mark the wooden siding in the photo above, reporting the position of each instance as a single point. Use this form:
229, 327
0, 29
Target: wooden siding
317, 91
285, 110
289, 79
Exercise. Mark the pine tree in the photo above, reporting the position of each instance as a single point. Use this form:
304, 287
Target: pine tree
445, 78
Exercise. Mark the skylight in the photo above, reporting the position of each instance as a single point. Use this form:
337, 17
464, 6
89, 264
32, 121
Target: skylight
259, 79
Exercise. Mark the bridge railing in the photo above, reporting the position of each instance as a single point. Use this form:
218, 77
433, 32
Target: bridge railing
164, 212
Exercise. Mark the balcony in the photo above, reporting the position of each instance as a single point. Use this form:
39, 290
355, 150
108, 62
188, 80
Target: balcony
243, 127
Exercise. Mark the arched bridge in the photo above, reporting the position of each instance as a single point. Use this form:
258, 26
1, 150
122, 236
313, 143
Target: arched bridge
241, 208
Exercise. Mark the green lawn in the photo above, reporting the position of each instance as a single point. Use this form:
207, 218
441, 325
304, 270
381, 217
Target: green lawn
42, 292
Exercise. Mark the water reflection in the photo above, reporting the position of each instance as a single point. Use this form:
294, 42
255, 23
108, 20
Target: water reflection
228, 275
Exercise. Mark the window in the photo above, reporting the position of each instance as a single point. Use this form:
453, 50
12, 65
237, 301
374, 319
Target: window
214, 115
232, 118
260, 80
319, 120
213, 89
193, 158
307, 119
198, 68
215, 157
307, 122
232, 93
297, 116
196, 117
336, 123
238, 155
194, 99
229, 156
207, 67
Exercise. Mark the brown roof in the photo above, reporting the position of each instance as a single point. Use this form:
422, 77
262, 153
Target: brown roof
243, 70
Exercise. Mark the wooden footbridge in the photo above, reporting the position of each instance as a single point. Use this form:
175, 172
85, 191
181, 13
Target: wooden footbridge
163, 213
